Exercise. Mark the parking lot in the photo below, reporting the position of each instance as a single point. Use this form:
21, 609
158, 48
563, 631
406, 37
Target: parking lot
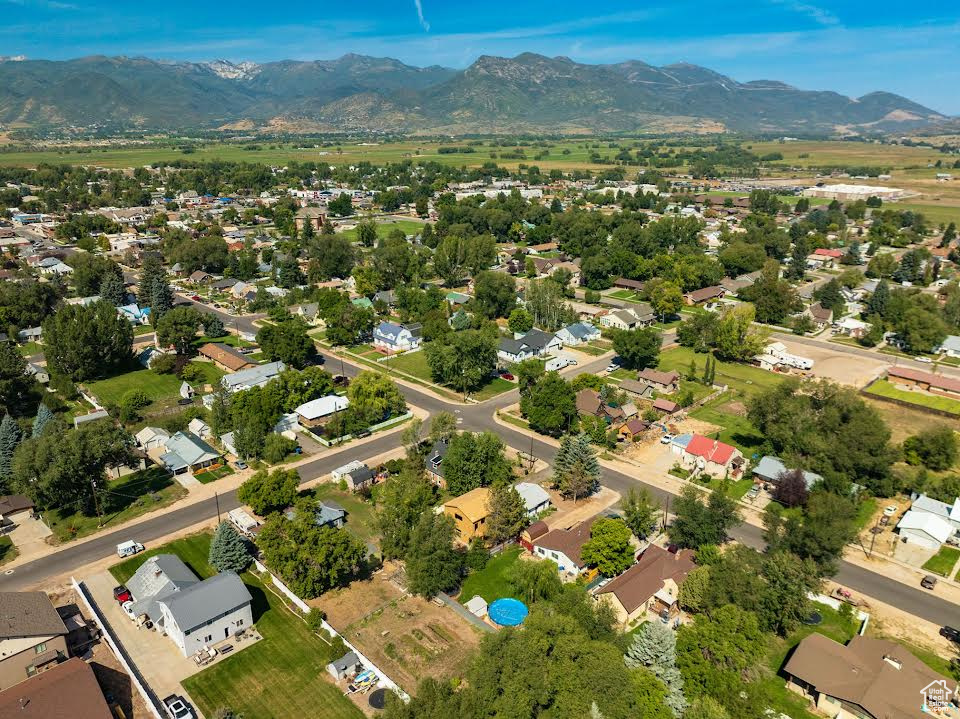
839, 366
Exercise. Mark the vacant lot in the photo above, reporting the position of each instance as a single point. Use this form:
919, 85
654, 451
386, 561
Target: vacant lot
407, 227
883, 388
742, 377
905, 421
123, 499
408, 637
155, 386
360, 514
282, 675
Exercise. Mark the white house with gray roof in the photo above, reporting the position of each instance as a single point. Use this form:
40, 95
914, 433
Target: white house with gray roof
207, 612
578, 333
186, 452
254, 377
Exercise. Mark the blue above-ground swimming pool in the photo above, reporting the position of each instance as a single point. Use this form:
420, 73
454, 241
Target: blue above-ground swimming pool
507, 612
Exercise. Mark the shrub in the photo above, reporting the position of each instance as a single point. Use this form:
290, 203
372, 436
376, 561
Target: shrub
276, 447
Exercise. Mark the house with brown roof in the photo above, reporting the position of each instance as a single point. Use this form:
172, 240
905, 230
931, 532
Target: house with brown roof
469, 513
623, 283
225, 357
532, 533
68, 691
916, 379
665, 382
563, 546
664, 405
705, 294
650, 585
865, 679
33, 637
632, 430
589, 402
821, 316
14, 508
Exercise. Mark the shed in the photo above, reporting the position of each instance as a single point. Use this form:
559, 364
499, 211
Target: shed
345, 666
477, 606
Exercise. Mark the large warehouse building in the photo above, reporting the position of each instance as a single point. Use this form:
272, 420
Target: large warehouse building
852, 193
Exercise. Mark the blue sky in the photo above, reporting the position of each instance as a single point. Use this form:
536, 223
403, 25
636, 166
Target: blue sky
852, 47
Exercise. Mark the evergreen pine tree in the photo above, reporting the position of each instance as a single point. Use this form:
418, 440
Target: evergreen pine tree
228, 550
112, 290
576, 471
152, 270
213, 326
9, 438
161, 299
879, 299
44, 415
693, 373
655, 648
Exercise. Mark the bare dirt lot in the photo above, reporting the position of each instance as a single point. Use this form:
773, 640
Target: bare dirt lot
837, 365
408, 637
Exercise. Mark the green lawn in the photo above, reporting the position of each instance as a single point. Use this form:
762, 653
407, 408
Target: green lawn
590, 349
413, 363
409, 227
7, 551
30, 348
884, 388
742, 377
735, 429
155, 386
865, 512
125, 498
209, 373
493, 581
360, 514
624, 295
943, 562
141, 330
280, 676
496, 385
213, 475
228, 339
735, 489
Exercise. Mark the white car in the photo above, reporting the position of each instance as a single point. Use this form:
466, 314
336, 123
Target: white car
177, 708
666, 439
890, 511
127, 608
612, 367
925, 360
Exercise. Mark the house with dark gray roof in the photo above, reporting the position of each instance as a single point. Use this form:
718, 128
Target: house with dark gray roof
534, 343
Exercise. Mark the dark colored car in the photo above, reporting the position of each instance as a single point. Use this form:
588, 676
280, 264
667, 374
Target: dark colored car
121, 594
341, 381
507, 376
928, 582
950, 633
195, 298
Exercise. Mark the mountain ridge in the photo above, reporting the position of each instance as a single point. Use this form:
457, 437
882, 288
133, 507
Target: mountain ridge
529, 92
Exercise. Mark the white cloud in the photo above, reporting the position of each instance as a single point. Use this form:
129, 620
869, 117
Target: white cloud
423, 21
818, 14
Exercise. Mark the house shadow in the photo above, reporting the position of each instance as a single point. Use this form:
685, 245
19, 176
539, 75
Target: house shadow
116, 686
259, 604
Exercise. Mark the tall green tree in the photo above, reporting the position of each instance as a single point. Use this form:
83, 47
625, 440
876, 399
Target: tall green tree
287, 342
112, 290
42, 420
9, 439
475, 460
576, 471
641, 511
87, 342
654, 647
507, 514
433, 565
638, 349
401, 502
697, 523
550, 405
268, 492
228, 550
609, 548
17, 388
179, 328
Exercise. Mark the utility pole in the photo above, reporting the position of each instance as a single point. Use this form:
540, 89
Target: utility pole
873, 539
216, 498
96, 502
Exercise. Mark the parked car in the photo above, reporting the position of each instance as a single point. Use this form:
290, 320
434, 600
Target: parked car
240, 464
666, 439
925, 360
928, 582
178, 708
612, 367
127, 608
507, 376
129, 548
950, 633
362, 433
890, 510
121, 594
195, 298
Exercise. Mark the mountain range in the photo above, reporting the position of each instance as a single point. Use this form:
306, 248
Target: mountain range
527, 93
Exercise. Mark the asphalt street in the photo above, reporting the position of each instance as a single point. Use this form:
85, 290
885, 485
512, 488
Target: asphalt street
475, 417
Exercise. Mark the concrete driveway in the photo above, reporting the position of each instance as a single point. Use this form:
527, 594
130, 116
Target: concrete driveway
30, 537
157, 657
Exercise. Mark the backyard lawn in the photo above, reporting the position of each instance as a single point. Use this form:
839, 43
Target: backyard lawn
360, 515
227, 339
883, 388
155, 386
943, 562
745, 378
493, 581
409, 227
735, 429
123, 499
415, 365
282, 675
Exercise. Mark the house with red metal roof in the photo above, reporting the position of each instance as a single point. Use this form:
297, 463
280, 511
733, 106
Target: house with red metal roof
711, 456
